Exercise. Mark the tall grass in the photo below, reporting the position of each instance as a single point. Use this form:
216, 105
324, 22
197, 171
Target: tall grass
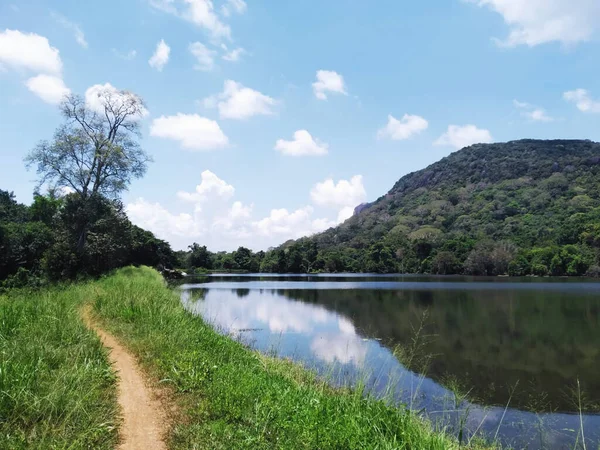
57, 390
234, 398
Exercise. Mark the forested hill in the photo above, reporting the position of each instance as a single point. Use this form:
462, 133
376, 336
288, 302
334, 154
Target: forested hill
522, 207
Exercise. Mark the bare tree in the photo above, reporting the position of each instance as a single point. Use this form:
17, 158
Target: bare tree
96, 150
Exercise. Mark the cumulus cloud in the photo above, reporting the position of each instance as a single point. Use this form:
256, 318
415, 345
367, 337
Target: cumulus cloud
234, 6
161, 56
463, 136
28, 51
583, 100
210, 186
283, 225
535, 22
153, 216
95, 98
344, 193
78, 33
240, 102
205, 57
192, 131
234, 219
328, 82
49, 88
199, 12
532, 112
303, 144
345, 213
223, 222
404, 128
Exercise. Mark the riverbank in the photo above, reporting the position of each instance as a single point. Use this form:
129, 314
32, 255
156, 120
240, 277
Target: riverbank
227, 396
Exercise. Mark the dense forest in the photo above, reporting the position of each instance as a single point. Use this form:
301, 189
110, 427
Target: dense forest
526, 207
38, 243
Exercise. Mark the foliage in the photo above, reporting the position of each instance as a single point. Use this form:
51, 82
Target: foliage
525, 207
40, 241
95, 151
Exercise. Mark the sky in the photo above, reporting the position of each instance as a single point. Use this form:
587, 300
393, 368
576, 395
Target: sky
270, 120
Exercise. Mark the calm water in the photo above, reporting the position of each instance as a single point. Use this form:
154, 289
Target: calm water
517, 342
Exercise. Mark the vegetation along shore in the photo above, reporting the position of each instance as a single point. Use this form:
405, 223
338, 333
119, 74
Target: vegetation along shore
58, 390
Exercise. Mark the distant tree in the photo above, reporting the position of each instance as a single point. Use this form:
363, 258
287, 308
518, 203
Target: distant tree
199, 257
445, 263
243, 258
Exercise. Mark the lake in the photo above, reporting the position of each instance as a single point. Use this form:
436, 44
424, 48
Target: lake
515, 359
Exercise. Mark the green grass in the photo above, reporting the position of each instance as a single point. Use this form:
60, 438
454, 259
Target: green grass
57, 390
233, 398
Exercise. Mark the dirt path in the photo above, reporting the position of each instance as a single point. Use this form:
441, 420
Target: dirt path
144, 422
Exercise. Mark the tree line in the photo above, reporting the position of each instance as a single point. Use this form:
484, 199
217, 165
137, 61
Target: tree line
460, 256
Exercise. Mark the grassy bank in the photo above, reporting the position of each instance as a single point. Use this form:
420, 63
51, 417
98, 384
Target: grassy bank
57, 390
231, 397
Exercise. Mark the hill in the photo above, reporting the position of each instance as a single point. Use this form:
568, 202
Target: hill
522, 207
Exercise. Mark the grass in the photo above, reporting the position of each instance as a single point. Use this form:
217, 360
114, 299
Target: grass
57, 390
232, 397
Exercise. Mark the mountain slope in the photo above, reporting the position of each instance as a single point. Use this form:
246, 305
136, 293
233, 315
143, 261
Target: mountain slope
524, 207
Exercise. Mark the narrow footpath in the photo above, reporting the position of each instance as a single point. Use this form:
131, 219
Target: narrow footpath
144, 422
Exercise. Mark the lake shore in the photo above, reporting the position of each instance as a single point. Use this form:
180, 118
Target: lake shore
227, 395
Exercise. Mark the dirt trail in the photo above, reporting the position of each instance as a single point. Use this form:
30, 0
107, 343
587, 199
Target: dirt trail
144, 421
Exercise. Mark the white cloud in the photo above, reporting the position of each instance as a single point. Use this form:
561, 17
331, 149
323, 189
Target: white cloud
154, 217
49, 88
234, 55
221, 224
404, 128
199, 12
28, 51
535, 22
237, 6
583, 100
303, 144
344, 194
94, 98
73, 27
239, 102
283, 225
532, 112
345, 213
161, 56
129, 56
205, 57
192, 131
328, 81
211, 185
235, 217
463, 136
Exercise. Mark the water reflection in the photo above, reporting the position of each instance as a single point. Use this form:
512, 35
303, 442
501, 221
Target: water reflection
540, 340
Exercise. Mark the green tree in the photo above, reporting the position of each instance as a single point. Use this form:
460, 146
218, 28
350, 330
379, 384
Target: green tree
96, 151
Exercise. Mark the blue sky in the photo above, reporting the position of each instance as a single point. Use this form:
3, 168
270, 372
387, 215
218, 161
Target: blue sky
269, 120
